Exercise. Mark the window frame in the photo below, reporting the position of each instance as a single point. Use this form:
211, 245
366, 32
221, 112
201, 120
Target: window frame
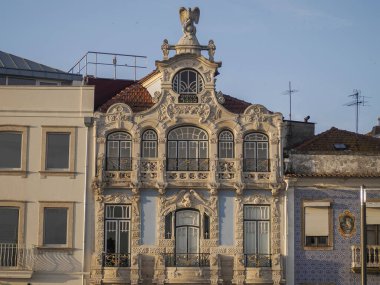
330, 237
187, 142
199, 227
21, 217
23, 152
226, 141
70, 222
374, 204
188, 96
70, 171
119, 147
143, 140
255, 158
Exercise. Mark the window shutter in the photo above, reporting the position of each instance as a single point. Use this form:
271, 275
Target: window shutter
373, 216
316, 221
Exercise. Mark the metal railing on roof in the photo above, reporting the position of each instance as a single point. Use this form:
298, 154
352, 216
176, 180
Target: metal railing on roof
100, 64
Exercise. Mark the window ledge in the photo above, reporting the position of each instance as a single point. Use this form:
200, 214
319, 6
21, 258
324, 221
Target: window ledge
55, 248
17, 273
316, 248
15, 172
45, 173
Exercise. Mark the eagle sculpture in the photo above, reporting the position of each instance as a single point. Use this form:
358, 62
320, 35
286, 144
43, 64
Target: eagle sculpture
188, 17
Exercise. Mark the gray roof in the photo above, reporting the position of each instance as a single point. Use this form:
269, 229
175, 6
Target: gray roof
13, 65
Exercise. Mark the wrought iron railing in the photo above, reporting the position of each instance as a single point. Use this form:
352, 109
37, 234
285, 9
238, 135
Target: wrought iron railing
256, 165
188, 164
258, 260
116, 259
119, 164
187, 259
16, 256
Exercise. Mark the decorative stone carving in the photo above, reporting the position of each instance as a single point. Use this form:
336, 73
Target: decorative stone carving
220, 97
156, 96
211, 50
118, 112
188, 17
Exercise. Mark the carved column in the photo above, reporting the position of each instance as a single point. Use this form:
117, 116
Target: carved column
239, 267
135, 237
276, 236
212, 243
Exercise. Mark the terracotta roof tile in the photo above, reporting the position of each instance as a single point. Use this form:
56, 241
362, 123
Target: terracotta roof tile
324, 143
135, 96
106, 88
334, 175
235, 105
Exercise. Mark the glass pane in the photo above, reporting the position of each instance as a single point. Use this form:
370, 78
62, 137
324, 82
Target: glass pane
117, 211
57, 150
124, 237
193, 235
182, 149
10, 149
55, 225
119, 136
21, 81
168, 226
250, 237
187, 217
256, 212
181, 240
110, 236
263, 237
172, 150
9, 224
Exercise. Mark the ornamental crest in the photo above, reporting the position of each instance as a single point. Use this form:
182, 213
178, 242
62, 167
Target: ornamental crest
172, 111
347, 224
118, 112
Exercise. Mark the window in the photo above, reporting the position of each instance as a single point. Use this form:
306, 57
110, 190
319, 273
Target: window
187, 149
226, 144
257, 236
149, 144
373, 225
21, 81
13, 144
56, 224
58, 150
188, 83
117, 236
119, 151
256, 153
11, 232
317, 224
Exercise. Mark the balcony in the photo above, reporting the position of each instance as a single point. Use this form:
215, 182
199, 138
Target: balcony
116, 260
117, 171
16, 261
256, 165
258, 260
373, 258
149, 169
188, 164
187, 260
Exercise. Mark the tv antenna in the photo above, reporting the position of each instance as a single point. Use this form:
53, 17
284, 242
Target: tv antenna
358, 100
290, 92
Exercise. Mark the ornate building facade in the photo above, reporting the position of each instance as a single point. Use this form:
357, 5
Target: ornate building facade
188, 184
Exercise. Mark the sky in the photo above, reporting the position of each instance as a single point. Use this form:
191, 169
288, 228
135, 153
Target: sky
325, 48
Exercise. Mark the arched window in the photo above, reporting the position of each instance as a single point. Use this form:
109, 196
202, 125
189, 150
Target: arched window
226, 144
149, 144
119, 151
256, 153
187, 83
187, 149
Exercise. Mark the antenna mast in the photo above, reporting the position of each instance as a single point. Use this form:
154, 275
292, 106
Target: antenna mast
358, 100
290, 93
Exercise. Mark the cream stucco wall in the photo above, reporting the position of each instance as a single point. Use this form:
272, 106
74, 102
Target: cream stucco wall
58, 108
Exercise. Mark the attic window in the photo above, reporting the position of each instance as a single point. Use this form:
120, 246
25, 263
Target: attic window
188, 83
340, 146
